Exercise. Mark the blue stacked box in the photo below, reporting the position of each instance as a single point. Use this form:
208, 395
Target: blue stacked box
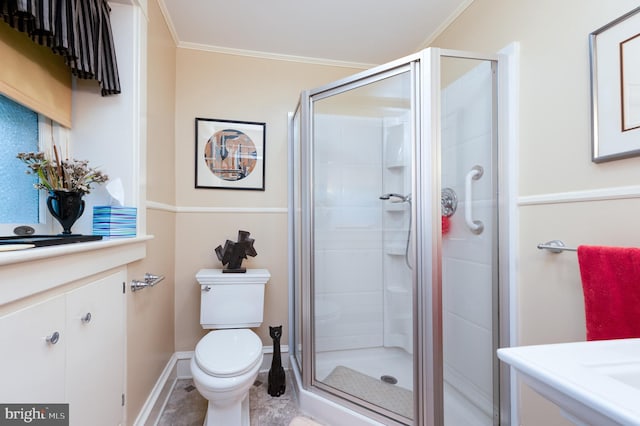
114, 221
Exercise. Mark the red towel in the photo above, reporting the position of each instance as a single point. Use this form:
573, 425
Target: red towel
611, 286
446, 225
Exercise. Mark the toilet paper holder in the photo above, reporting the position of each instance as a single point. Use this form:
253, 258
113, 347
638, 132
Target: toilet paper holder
149, 281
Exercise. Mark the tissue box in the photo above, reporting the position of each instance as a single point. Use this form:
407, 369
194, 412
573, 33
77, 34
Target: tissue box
114, 221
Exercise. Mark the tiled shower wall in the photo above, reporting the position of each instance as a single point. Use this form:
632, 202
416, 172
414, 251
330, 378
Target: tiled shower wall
348, 256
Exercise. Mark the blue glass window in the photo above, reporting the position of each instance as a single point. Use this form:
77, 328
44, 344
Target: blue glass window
19, 200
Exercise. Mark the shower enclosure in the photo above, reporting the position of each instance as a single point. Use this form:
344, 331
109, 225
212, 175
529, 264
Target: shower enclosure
396, 281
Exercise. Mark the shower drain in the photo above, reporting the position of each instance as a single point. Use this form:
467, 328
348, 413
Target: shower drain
389, 379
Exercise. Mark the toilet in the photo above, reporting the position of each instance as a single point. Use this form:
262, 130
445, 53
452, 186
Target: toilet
226, 361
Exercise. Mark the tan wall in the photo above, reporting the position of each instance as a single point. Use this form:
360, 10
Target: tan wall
201, 233
150, 312
212, 85
554, 85
161, 82
555, 157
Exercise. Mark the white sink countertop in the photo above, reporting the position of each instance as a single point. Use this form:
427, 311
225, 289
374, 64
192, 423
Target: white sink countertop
594, 383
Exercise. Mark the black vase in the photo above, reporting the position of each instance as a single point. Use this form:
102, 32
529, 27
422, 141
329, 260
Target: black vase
66, 207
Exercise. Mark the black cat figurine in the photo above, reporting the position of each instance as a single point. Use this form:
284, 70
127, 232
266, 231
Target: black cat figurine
276, 373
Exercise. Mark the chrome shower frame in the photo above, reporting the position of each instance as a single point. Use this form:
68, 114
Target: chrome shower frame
426, 253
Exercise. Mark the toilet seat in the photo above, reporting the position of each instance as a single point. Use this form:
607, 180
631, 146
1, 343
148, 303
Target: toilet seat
229, 352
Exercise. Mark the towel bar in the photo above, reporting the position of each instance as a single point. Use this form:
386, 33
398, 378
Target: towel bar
555, 246
149, 281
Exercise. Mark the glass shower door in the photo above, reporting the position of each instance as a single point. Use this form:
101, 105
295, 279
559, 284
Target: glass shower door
396, 276
362, 289
469, 260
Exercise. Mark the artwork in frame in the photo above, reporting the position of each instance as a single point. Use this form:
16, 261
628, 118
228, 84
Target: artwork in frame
230, 154
615, 88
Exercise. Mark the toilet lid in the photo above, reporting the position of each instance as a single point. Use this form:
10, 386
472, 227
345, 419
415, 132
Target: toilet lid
231, 352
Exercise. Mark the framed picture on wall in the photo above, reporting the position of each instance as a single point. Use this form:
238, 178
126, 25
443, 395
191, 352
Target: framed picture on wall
230, 154
615, 88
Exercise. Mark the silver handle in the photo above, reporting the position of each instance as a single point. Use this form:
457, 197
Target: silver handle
448, 202
149, 281
206, 288
555, 246
87, 318
53, 339
475, 226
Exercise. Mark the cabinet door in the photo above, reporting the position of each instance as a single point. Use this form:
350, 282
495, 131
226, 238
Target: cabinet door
32, 370
95, 366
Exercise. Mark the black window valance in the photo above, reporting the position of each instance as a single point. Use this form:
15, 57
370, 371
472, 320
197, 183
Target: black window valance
78, 30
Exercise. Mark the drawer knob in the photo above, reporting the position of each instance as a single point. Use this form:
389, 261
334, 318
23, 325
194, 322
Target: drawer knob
53, 339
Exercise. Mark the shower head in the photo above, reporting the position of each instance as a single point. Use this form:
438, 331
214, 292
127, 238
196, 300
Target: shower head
396, 198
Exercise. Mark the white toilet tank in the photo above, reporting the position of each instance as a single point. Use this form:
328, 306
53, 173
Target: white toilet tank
232, 300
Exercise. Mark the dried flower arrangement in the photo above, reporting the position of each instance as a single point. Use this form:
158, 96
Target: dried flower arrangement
61, 175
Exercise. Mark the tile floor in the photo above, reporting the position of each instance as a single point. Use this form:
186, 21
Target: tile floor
186, 407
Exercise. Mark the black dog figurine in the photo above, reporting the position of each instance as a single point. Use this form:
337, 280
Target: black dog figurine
277, 383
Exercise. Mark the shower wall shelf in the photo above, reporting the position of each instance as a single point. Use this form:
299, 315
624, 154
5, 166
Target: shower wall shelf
396, 207
395, 223
392, 166
395, 289
395, 250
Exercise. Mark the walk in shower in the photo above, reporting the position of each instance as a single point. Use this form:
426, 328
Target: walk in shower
396, 280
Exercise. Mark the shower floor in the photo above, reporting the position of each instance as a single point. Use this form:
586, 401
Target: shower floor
376, 362
373, 362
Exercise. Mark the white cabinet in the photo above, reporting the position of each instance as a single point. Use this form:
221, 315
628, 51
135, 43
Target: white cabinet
31, 369
95, 352
84, 367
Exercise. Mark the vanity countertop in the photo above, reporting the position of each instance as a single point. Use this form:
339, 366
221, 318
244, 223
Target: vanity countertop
27, 272
21, 242
594, 383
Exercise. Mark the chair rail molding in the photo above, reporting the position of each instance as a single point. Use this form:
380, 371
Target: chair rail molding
601, 194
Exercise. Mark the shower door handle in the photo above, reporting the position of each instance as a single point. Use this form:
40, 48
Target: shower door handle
475, 226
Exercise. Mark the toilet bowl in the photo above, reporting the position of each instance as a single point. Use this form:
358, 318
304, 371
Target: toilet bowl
226, 360
224, 367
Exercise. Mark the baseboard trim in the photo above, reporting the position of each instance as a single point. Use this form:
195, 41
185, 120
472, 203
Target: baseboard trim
157, 399
178, 368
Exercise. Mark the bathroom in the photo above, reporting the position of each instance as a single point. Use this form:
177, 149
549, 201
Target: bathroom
558, 192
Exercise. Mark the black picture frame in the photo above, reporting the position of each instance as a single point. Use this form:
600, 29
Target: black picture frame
230, 154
